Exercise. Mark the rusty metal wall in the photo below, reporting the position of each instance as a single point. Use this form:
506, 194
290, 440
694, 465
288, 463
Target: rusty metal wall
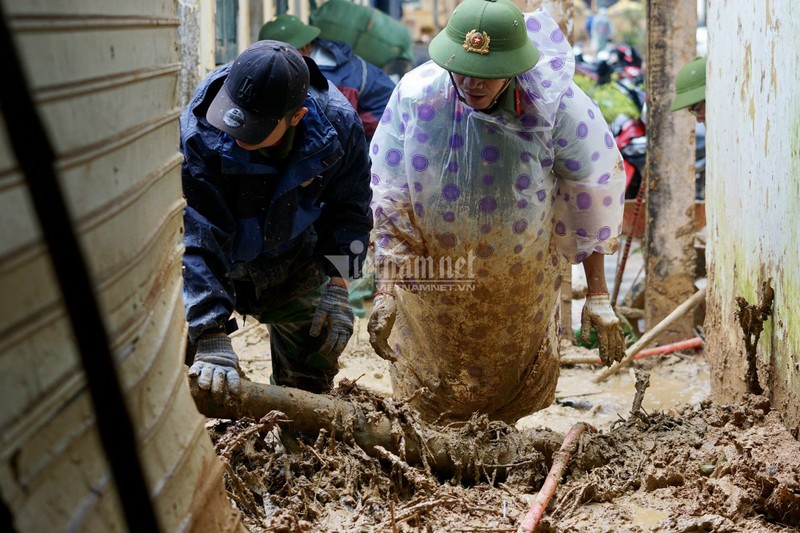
104, 77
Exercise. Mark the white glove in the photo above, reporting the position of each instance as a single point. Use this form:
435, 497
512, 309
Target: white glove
381, 322
597, 313
216, 365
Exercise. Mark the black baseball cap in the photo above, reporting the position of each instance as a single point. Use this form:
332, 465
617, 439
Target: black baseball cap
266, 81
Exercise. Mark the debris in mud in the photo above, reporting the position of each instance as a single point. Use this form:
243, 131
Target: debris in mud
751, 319
701, 468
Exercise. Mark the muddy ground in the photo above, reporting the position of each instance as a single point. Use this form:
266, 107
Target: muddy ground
680, 464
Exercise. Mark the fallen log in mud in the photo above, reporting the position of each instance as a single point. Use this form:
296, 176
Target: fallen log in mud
477, 450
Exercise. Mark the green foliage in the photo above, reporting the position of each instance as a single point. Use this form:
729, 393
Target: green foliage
611, 100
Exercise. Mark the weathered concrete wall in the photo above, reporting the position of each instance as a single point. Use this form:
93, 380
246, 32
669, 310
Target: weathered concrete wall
753, 188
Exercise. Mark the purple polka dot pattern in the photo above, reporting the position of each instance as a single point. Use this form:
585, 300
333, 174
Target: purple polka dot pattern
523, 182
561, 228
450, 192
520, 226
547, 162
522, 204
375, 179
582, 130
533, 25
584, 200
572, 165
452, 166
417, 186
487, 204
516, 269
591, 113
447, 240
546, 83
541, 195
426, 112
484, 250
378, 212
556, 36
486, 228
602, 180
529, 120
456, 141
488, 179
419, 162
422, 137
525, 157
537, 318
557, 63
393, 157
569, 93
595, 156
622, 198
387, 116
490, 154
562, 143
449, 216
581, 257
581, 232
419, 209
518, 249
607, 201
375, 148
609, 140
384, 240
525, 136
604, 233
557, 282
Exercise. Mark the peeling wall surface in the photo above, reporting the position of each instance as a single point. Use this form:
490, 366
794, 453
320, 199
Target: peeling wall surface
753, 194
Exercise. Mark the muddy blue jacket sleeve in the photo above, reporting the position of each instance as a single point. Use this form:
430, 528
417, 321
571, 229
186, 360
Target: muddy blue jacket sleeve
346, 218
208, 232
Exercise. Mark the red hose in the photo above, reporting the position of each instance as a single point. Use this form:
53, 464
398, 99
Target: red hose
545, 494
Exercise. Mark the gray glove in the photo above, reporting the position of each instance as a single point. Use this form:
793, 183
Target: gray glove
335, 311
597, 313
381, 322
216, 365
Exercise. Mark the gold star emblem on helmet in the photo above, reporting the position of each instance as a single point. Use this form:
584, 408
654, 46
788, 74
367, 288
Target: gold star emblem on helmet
477, 42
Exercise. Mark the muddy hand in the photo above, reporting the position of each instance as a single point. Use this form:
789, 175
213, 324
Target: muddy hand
381, 322
216, 366
598, 314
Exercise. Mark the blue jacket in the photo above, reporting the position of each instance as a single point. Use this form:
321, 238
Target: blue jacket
251, 220
373, 85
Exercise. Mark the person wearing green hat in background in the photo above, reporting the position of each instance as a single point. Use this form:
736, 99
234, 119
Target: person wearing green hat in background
491, 171
690, 89
366, 86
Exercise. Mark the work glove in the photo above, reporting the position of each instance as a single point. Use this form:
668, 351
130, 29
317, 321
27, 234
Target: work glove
597, 313
216, 365
381, 322
334, 310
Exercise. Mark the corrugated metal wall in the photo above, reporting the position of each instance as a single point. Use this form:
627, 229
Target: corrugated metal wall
752, 192
104, 76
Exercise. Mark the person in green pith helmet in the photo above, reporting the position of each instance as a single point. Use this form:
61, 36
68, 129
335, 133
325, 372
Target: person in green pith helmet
690, 89
491, 170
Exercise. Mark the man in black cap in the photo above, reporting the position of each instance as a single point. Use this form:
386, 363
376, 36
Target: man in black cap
276, 178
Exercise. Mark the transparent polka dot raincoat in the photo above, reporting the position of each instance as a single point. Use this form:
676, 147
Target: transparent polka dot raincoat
476, 216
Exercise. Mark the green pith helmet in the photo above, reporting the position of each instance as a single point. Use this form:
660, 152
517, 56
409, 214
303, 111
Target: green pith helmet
289, 29
690, 84
485, 39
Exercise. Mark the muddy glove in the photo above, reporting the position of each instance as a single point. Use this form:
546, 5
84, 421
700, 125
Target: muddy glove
216, 365
335, 311
381, 322
598, 314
